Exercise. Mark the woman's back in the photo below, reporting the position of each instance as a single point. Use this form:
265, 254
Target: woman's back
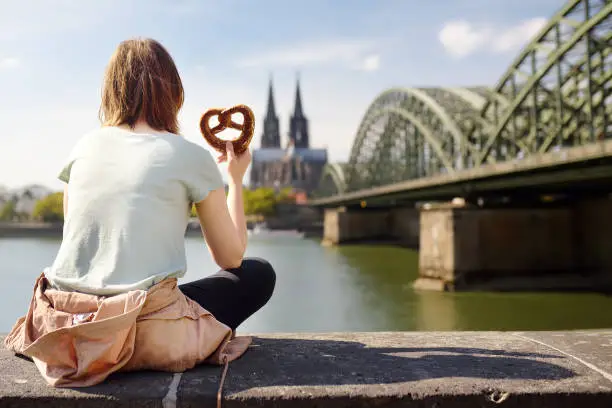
129, 196
129, 186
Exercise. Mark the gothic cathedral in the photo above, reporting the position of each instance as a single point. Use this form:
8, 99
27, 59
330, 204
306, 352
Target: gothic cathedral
295, 165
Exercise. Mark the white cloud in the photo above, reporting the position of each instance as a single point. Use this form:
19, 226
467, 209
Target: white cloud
311, 53
370, 63
9, 63
514, 37
462, 38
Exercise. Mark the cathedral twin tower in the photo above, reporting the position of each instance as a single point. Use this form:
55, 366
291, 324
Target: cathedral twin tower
298, 125
295, 165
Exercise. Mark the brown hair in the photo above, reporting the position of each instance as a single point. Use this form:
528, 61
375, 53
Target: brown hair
141, 82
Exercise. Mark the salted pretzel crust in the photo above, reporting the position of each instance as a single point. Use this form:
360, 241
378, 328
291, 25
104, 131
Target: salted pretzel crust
247, 128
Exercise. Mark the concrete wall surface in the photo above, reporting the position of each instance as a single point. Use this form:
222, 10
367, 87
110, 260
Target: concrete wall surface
516, 248
341, 225
400, 224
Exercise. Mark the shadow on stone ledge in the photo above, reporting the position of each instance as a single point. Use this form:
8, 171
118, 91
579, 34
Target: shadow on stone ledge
338, 364
279, 362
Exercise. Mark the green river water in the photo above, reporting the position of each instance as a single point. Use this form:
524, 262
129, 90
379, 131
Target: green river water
349, 288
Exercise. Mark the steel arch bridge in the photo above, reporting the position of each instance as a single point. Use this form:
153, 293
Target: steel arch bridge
556, 93
332, 180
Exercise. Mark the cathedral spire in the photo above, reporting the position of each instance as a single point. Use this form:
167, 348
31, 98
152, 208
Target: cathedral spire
297, 109
271, 132
271, 111
298, 126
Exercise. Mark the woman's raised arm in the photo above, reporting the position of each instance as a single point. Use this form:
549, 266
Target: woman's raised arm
222, 219
222, 235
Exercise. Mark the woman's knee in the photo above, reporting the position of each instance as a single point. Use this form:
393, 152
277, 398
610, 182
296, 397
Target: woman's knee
261, 275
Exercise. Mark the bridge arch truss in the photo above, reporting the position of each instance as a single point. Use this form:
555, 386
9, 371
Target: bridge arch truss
410, 133
332, 180
557, 92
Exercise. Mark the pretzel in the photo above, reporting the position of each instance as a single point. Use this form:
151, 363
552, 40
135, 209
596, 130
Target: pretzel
247, 127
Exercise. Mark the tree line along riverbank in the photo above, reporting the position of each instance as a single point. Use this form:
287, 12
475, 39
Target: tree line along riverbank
277, 209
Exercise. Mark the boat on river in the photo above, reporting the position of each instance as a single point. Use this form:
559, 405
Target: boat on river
261, 229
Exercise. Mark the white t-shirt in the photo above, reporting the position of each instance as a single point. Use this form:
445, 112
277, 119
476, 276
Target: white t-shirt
128, 208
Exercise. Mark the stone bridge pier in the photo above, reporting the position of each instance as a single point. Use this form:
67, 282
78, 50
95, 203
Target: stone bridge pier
467, 247
343, 225
558, 248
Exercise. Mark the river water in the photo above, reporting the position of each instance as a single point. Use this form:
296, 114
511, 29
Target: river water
349, 288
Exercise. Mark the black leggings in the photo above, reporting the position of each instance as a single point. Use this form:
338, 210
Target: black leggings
233, 295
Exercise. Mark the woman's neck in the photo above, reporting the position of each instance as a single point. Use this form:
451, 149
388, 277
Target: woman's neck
141, 127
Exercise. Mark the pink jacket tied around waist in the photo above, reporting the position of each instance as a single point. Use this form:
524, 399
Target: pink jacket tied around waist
78, 340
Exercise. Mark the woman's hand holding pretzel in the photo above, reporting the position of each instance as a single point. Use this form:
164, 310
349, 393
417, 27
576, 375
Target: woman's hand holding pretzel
236, 164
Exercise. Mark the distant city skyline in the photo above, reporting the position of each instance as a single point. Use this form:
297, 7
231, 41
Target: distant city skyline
52, 61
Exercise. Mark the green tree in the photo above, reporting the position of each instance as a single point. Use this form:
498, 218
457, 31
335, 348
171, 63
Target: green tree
285, 196
50, 208
261, 201
7, 213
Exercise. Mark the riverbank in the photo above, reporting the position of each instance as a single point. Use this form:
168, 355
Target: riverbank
55, 230
391, 369
31, 230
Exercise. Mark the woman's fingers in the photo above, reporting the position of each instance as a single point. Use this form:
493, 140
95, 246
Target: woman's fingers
231, 155
229, 146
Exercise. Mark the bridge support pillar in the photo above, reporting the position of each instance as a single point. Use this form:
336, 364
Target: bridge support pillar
405, 226
472, 248
400, 225
342, 225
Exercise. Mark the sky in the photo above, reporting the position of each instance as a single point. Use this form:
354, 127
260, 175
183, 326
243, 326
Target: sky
346, 52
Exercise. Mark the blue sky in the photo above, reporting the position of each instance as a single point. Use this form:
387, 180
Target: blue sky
53, 54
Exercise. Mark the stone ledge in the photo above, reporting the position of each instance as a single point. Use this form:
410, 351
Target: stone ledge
407, 369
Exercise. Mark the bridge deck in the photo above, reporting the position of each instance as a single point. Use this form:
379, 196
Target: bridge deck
570, 169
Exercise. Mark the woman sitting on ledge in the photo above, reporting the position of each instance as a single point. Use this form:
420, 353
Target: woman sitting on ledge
110, 301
